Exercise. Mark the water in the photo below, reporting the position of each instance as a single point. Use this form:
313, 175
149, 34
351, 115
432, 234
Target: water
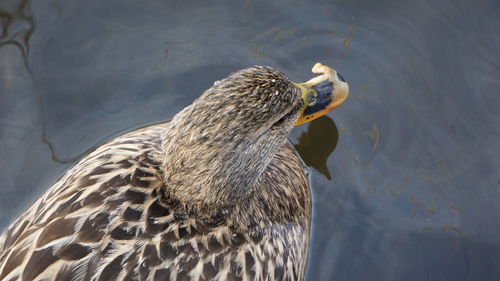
406, 174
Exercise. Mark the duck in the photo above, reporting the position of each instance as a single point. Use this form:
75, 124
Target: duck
217, 193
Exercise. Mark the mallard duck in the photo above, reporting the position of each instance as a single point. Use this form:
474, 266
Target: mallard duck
217, 193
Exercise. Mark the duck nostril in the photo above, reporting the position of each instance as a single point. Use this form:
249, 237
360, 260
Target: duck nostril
340, 77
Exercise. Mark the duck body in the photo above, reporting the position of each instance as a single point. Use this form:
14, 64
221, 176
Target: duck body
113, 223
216, 194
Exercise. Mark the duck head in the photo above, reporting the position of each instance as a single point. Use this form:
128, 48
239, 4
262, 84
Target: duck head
216, 149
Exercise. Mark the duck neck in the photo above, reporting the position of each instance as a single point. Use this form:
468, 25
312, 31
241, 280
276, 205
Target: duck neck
210, 165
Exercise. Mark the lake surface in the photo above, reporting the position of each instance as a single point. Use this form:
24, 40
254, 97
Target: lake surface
405, 175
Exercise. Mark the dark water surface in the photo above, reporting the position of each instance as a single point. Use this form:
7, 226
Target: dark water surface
411, 190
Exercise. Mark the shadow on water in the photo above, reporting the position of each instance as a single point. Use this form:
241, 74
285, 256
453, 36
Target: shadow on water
317, 143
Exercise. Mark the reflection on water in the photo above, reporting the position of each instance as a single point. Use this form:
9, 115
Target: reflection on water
17, 28
317, 143
408, 186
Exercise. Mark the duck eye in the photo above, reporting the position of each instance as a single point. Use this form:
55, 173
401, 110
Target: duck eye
279, 122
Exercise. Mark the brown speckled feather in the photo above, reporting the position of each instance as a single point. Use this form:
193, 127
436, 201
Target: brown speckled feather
108, 219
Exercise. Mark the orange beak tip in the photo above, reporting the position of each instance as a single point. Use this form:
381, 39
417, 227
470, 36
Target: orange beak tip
321, 94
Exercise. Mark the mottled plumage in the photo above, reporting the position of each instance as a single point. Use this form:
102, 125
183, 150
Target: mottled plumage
216, 194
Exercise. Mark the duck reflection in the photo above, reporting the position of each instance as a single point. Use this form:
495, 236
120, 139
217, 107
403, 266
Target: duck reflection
317, 143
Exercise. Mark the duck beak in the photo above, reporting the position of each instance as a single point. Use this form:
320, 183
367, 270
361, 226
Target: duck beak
321, 94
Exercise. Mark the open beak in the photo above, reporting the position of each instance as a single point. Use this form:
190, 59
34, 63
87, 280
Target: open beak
322, 93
